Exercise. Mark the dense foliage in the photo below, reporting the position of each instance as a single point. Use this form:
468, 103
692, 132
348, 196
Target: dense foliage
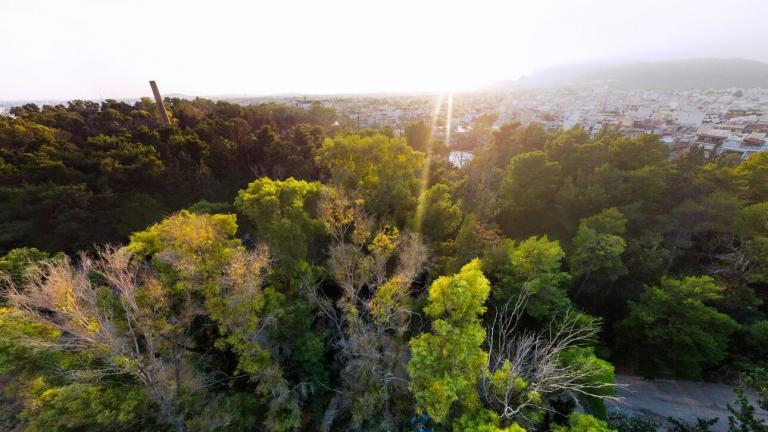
263, 268
85, 173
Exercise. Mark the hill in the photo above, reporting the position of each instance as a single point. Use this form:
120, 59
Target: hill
682, 74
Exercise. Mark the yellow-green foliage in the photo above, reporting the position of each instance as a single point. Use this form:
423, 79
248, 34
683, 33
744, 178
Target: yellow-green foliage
384, 242
755, 172
83, 406
459, 299
383, 171
582, 423
194, 245
15, 355
50, 401
16, 263
484, 421
283, 213
237, 304
204, 256
504, 381
446, 363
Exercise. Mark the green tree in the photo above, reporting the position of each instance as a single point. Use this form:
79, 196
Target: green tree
437, 215
583, 423
752, 225
87, 172
757, 341
199, 253
293, 155
188, 245
283, 213
472, 240
754, 171
598, 382
512, 139
16, 262
743, 414
486, 421
418, 136
645, 257
532, 267
635, 153
527, 194
447, 362
40, 393
138, 320
597, 249
81, 406
674, 322
479, 134
382, 171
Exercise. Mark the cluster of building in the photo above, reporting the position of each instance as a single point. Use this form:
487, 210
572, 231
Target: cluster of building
396, 111
731, 121
719, 120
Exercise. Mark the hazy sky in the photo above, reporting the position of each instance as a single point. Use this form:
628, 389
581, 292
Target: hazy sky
110, 48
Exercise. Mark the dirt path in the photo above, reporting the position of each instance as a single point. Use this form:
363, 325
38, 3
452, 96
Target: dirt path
681, 399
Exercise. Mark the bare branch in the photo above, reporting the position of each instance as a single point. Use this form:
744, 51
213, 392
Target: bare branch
535, 358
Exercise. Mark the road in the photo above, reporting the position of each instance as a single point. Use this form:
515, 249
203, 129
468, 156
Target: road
680, 399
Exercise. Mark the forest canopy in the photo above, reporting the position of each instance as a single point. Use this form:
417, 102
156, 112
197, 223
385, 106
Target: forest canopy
265, 267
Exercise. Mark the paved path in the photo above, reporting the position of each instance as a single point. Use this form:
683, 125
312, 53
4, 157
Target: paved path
681, 399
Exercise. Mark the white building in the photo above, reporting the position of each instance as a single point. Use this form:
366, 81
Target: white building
690, 118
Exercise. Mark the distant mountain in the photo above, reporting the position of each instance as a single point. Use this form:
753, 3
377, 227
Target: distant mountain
681, 74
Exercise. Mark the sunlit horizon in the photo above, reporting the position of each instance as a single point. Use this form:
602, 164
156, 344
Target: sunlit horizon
111, 48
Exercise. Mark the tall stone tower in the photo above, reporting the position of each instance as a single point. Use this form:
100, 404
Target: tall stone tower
160, 105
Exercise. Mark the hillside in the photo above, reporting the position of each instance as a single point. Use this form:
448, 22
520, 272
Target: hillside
681, 74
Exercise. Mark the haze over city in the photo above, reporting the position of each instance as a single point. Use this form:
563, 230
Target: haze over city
103, 49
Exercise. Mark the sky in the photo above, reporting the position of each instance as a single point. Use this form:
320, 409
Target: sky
61, 49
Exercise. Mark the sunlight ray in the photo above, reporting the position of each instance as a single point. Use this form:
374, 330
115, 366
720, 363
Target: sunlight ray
448, 115
424, 181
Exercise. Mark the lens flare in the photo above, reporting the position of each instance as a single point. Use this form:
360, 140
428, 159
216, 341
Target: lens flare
424, 181
448, 118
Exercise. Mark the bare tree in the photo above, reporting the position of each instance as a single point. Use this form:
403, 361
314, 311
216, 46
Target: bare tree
525, 368
371, 317
138, 337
